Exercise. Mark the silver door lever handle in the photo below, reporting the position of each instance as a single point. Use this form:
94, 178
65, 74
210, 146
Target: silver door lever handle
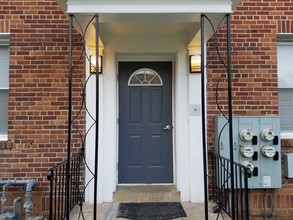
167, 127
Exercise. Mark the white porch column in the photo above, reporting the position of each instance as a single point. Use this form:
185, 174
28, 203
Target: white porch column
188, 132
181, 127
195, 139
90, 139
108, 165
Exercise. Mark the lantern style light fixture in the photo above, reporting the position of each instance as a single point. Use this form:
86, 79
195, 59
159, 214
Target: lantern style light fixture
195, 63
93, 62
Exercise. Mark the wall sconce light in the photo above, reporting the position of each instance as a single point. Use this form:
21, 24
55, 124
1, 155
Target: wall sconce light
93, 64
195, 63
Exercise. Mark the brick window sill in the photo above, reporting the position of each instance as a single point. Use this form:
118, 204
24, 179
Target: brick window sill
3, 137
4, 143
286, 136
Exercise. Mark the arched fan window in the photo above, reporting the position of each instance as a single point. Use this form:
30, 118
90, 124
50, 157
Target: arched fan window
145, 77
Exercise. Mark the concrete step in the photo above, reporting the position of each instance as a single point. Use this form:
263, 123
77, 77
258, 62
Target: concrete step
147, 193
108, 211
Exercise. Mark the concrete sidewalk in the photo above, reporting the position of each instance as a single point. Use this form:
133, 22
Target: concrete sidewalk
107, 211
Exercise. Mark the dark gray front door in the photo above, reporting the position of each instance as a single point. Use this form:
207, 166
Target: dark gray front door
145, 122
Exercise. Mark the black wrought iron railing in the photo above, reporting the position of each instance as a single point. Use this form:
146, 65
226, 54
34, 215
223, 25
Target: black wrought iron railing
58, 177
220, 187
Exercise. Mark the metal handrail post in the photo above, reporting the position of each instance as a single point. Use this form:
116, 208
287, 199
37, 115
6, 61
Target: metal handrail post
203, 123
97, 120
230, 115
50, 177
69, 119
247, 173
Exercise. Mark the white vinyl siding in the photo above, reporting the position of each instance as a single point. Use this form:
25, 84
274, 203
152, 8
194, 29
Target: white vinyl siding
4, 85
285, 81
286, 109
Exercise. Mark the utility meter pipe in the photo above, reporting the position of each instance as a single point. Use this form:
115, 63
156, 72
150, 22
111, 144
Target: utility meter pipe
28, 205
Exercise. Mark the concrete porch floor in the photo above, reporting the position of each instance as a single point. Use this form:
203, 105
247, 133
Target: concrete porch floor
107, 211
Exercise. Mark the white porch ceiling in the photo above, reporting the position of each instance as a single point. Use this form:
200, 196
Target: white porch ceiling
149, 6
148, 16
144, 24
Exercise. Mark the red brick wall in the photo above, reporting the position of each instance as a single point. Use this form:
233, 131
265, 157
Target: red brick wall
38, 95
38, 86
254, 26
